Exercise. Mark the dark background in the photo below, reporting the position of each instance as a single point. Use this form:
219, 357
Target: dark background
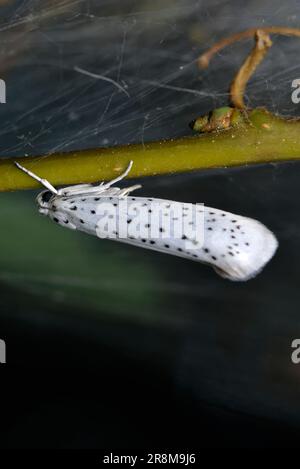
109, 346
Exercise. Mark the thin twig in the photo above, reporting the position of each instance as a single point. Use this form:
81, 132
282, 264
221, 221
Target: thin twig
205, 58
237, 88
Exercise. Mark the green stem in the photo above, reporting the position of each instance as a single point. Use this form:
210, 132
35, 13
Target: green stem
263, 138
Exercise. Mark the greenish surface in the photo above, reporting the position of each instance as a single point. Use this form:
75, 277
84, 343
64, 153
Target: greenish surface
68, 268
263, 138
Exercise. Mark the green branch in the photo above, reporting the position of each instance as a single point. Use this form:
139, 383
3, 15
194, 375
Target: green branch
261, 138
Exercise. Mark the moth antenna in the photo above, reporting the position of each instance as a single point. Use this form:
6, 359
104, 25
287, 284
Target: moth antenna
122, 176
44, 182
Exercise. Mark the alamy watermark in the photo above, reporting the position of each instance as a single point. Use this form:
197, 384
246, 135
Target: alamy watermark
295, 356
2, 91
296, 93
153, 221
2, 351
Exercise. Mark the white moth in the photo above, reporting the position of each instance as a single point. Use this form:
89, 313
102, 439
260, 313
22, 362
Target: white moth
235, 246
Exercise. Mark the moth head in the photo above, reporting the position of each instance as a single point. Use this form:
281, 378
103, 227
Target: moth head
44, 201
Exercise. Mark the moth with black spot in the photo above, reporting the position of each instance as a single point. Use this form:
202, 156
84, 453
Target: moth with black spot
237, 247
